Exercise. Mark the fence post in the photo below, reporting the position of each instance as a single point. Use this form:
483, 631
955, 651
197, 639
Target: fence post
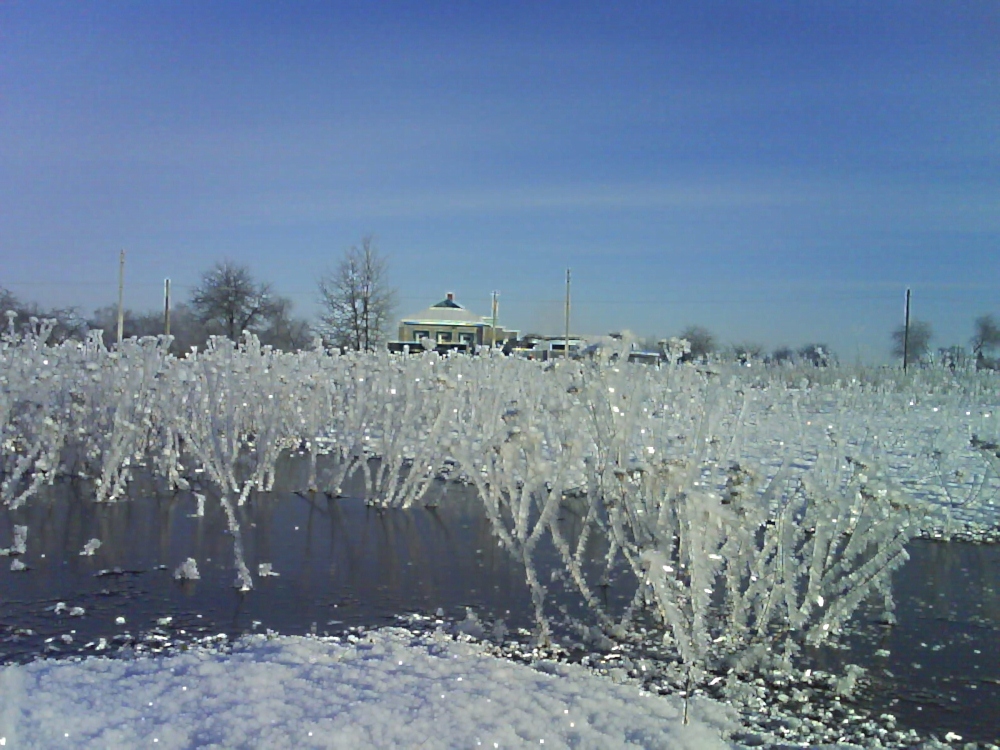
906, 331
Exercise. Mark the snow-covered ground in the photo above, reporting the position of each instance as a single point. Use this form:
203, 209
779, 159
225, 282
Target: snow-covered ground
387, 689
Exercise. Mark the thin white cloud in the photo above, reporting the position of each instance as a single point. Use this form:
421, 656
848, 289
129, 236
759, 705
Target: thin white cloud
929, 208
320, 206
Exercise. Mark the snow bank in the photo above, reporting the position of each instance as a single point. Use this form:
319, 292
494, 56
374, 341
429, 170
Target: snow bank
389, 689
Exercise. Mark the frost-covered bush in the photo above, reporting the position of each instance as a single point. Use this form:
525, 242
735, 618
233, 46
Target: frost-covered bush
392, 424
123, 412
521, 459
18, 544
755, 508
36, 414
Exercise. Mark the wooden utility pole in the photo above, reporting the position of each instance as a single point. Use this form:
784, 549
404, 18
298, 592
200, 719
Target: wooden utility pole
121, 296
906, 331
166, 307
566, 340
493, 336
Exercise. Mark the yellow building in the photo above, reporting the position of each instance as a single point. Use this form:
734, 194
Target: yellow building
450, 327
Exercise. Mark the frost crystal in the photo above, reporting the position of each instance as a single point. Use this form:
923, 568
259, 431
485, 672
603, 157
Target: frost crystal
90, 548
187, 571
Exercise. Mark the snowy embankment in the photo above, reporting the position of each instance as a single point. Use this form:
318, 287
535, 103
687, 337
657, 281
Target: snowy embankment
389, 689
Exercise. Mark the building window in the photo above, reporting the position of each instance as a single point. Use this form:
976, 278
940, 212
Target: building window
444, 337
467, 338
421, 335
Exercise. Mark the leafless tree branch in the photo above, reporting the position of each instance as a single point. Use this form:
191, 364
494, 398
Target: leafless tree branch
356, 298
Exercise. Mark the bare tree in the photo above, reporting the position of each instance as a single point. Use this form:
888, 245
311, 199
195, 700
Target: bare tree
185, 326
357, 299
952, 357
8, 301
780, 356
105, 319
747, 352
229, 301
65, 322
702, 343
917, 345
985, 339
285, 331
818, 355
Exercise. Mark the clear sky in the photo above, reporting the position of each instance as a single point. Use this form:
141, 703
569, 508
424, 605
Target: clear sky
776, 171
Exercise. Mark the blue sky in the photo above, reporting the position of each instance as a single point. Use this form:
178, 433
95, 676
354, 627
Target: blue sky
776, 171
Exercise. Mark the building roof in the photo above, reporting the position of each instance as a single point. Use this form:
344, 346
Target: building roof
446, 312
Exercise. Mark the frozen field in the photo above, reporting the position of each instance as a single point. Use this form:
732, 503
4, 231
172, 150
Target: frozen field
744, 515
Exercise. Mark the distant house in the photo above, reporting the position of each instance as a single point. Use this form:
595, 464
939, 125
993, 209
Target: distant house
449, 326
550, 347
